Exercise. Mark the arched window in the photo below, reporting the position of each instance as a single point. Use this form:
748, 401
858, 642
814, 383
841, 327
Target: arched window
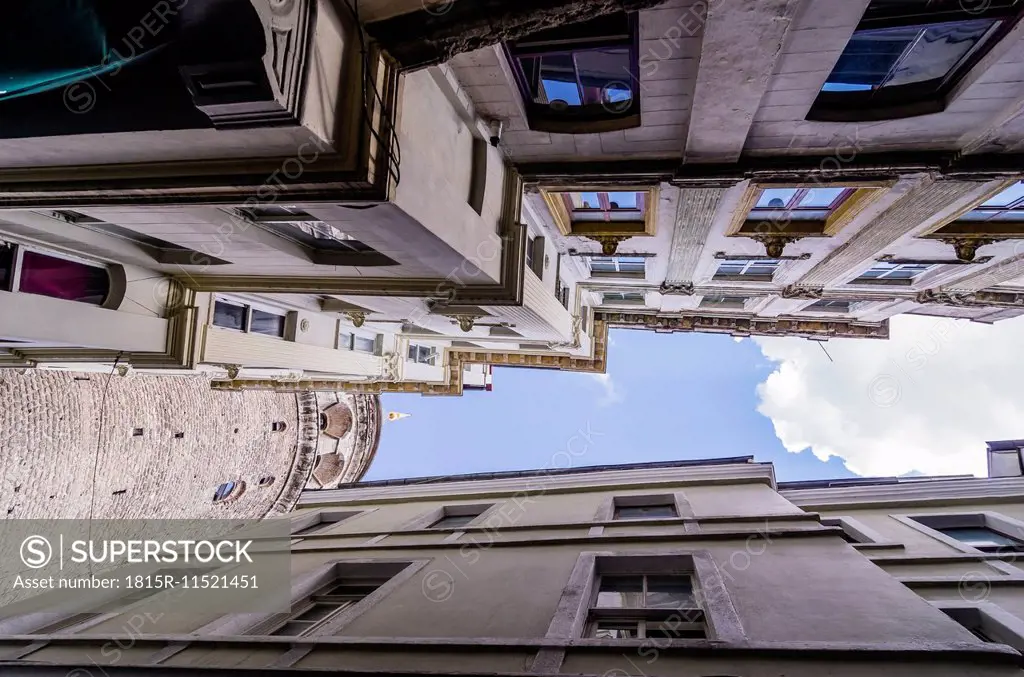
278, 426
266, 481
31, 272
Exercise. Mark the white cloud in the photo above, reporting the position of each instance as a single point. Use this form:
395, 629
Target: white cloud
611, 393
925, 400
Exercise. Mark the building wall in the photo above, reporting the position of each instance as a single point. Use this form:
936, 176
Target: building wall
102, 445
785, 594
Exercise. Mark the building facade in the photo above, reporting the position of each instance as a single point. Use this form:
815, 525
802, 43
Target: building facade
691, 568
137, 446
394, 196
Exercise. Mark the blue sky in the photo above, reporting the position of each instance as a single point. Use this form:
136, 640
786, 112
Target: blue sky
668, 397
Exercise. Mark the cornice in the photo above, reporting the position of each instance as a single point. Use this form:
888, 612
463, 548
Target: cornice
909, 493
748, 326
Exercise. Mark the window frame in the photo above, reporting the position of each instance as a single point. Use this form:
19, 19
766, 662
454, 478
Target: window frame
353, 252
629, 298
743, 275
918, 98
619, 266
728, 302
1015, 207
884, 279
592, 118
321, 521
112, 298
814, 307
430, 361
932, 524
571, 619
428, 521
247, 321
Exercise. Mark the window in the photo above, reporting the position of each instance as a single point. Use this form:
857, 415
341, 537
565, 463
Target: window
563, 295
245, 318
320, 522
906, 56
1008, 205
629, 297
892, 273
800, 204
324, 605
579, 78
423, 354
982, 538
640, 512
753, 270
724, 302
830, 306
605, 206
278, 426
228, 490
455, 516
646, 606
159, 250
986, 621
360, 344
531, 253
266, 481
986, 531
327, 244
31, 272
617, 266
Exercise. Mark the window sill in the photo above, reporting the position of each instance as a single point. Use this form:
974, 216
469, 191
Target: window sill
743, 278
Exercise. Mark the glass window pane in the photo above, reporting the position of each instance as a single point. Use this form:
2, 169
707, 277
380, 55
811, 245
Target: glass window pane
63, 279
674, 631
775, 198
821, 197
644, 511
365, 345
979, 537
939, 50
604, 74
621, 592
1006, 197
316, 612
229, 315
345, 341
669, 592
868, 58
454, 521
292, 628
266, 323
623, 200
615, 630
558, 80
585, 201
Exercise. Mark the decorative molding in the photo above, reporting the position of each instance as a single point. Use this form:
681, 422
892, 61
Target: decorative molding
428, 37
722, 256
966, 248
794, 291
774, 243
466, 322
749, 326
889, 258
943, 298
641, 255
609, 243
357, 317
681, 288
694, 218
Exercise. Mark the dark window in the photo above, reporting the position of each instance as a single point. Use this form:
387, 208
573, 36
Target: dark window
653, 511
453, 521
581, 77
631, 298
640, 606
8, 255
223, 491
830, 306
324, 520
530, 252
1007, 205
278, 426
266, 481
327, 244
906, 56
263, 322
326, 604
62, 279
229, 315
724, 302
982, 538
